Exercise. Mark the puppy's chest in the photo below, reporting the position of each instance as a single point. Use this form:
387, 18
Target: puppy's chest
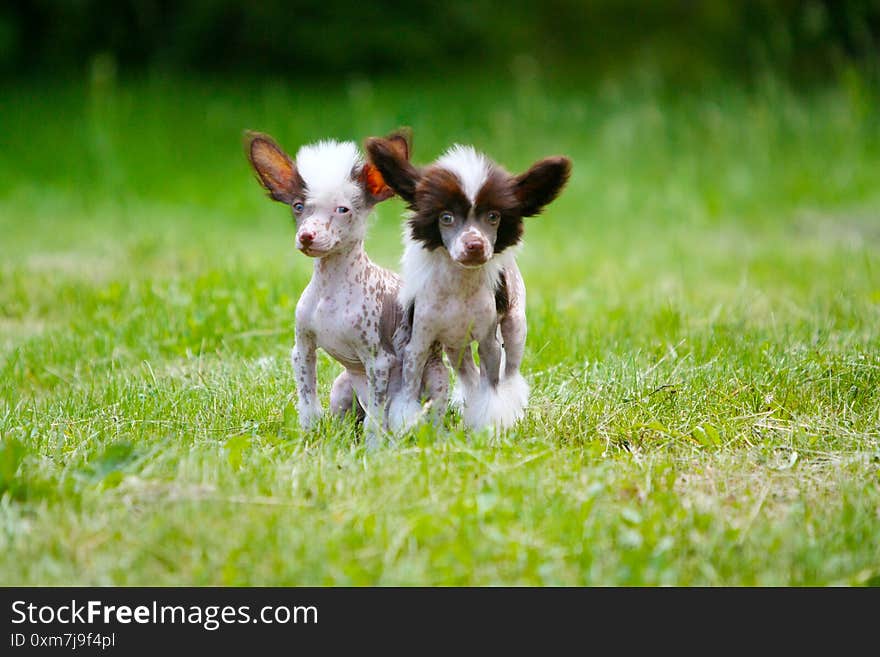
345, 323
457, 319
342, 327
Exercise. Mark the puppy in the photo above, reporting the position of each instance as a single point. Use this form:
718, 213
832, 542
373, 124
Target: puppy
350, 306
461, 281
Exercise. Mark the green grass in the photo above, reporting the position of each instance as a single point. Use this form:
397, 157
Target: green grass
704, 346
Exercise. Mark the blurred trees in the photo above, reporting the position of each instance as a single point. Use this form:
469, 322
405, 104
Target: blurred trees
799, 37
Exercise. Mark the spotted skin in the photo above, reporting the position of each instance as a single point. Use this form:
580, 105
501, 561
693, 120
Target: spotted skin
344, 309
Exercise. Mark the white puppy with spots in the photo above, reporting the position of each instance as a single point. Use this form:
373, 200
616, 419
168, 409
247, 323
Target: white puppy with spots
461, 281
350, 307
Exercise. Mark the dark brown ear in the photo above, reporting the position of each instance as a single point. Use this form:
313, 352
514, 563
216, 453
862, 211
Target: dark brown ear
275, 170
542, 183
401, 141
390, 157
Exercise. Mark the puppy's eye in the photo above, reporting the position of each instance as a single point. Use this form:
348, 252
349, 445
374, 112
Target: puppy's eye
493, 217
298, 207
342, 210
447, 219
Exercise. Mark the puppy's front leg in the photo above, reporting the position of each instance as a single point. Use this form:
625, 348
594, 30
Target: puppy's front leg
468, 380
497, 403
490, 359
405, 409
491, 404
305, 369
435, 384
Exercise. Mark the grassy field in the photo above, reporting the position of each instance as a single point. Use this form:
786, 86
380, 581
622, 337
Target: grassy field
704, 347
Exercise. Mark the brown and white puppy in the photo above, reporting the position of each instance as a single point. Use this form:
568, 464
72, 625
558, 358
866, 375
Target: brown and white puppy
350, 307
461, 281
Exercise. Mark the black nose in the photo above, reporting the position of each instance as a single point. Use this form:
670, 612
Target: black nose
306, 238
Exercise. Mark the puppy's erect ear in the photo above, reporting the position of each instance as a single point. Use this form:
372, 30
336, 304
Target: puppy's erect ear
390, 156
400, 142
374, 184
276, 171
541, 184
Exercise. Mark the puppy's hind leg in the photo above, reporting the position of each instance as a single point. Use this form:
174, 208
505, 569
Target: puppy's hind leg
343, 398
379, 372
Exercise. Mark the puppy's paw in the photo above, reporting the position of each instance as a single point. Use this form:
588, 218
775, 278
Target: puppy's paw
309, 415
515, 389
404, 414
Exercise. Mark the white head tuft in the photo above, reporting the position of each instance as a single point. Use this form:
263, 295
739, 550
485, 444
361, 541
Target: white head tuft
471, 167
326, 167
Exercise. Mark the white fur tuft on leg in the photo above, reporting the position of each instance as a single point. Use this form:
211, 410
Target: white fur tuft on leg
496, 408
403, 413
456, 399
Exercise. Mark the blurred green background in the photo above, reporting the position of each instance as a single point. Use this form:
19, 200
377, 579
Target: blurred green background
146, 99
805, 38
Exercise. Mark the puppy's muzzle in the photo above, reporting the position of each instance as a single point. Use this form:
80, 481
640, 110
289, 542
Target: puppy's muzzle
474, 252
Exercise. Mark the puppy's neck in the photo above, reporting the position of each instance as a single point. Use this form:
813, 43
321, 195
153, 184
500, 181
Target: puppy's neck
434, 272
332, 269
463, 281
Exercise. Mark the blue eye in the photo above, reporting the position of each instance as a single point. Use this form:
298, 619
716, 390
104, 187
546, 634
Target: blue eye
298, 207
447, 219
342, 210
